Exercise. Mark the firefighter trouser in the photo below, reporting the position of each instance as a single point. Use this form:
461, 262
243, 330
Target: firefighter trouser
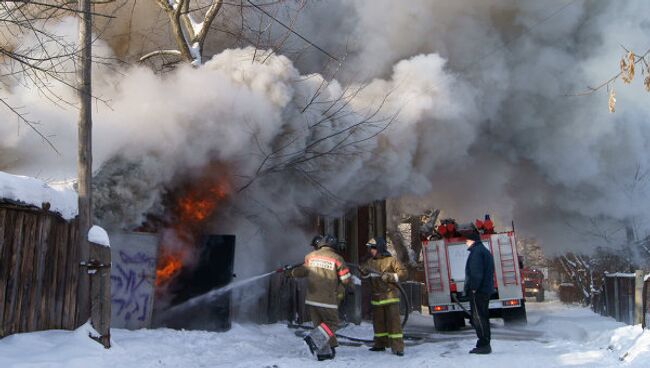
387, 325
479, 303
329, 316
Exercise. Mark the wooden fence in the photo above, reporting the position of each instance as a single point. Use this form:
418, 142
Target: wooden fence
646, 304
39, 271
623, 297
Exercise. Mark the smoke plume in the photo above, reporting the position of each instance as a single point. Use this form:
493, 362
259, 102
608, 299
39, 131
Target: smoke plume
459, 105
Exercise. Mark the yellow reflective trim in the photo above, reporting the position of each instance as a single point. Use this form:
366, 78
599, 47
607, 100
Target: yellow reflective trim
381, 334
395, 336
385, 301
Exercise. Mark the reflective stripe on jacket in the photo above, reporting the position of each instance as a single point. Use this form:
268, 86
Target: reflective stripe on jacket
382, 293
325, 271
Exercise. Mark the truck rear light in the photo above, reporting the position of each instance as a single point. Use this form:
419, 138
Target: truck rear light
452, 287
440, 308
510, 303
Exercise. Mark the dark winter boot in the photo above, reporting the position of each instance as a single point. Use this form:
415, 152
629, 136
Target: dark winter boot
482, 350
398, 353
377, 348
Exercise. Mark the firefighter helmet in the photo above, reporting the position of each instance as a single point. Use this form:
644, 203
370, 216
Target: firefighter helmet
315, 240
326, 241
378, 243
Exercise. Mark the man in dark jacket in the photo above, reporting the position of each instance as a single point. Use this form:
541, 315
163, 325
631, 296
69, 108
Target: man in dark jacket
479, 286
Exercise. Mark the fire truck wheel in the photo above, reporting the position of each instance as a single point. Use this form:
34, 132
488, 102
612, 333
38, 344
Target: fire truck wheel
539, 297
449, 321
514, 316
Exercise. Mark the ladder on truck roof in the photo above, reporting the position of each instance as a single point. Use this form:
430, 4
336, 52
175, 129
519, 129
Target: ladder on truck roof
432, 269
508, 262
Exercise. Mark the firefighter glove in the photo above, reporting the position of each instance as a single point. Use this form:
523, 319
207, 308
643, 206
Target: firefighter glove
363, 270
389, 277
287, 271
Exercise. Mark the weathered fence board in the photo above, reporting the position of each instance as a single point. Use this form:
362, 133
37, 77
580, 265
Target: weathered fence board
39, 271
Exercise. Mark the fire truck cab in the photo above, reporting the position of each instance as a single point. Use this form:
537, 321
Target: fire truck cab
444, 264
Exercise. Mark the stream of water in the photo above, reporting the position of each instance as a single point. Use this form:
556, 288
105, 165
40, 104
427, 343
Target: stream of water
215, 293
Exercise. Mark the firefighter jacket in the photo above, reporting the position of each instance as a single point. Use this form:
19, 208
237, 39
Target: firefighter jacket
382, 292
325, 271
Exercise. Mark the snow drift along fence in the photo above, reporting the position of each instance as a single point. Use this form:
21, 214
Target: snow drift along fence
39, 271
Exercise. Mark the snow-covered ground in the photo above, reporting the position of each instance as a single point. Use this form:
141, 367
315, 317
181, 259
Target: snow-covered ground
556, 336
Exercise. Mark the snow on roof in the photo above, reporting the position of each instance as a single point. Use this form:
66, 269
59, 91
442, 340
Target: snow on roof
99, 236
24, 190
620, 274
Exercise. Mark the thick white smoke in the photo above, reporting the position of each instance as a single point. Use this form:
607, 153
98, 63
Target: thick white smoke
550, 161
299, 144
484, 124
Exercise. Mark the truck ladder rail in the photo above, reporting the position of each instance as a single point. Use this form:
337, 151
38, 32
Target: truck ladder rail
508, 264
432, 269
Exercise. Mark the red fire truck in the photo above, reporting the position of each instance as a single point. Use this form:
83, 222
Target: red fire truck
444, 264
534, 283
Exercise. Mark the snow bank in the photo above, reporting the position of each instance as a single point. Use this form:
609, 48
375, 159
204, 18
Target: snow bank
556, 336
33, 192
98, 235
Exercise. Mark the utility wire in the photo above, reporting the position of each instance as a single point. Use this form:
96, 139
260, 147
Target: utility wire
526, 31
292, 31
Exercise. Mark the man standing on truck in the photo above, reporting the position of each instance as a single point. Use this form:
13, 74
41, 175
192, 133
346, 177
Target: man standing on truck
384, 271
326, 271
479, 286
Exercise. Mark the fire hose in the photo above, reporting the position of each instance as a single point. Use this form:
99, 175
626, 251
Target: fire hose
372, 273
375, 273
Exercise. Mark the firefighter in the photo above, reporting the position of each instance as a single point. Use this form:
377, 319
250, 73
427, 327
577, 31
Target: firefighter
479, 286
326, 271
384, 272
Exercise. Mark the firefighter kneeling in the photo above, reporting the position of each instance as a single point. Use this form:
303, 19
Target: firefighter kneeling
384, 272
326, 272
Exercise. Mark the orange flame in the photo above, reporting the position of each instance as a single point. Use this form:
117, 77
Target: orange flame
192, 210
198, 205
169, 265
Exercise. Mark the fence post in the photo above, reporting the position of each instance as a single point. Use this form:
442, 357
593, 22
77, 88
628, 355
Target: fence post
100, 292
617, 303
638, 296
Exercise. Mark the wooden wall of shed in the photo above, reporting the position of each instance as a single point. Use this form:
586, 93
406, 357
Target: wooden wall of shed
39, 271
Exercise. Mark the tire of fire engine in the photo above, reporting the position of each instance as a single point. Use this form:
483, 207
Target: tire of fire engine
539, 297
514, 316
449, 321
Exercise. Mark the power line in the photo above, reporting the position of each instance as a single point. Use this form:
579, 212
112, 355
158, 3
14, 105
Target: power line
292, 31
525, 32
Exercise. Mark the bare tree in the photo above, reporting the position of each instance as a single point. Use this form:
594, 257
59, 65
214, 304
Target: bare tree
33, 55
627, 66
191, 22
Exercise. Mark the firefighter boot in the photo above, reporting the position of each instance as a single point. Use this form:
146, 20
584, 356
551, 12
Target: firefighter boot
318, 340
377, 348
326, 353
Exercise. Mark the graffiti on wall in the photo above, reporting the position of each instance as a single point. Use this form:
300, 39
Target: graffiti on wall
132, 288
